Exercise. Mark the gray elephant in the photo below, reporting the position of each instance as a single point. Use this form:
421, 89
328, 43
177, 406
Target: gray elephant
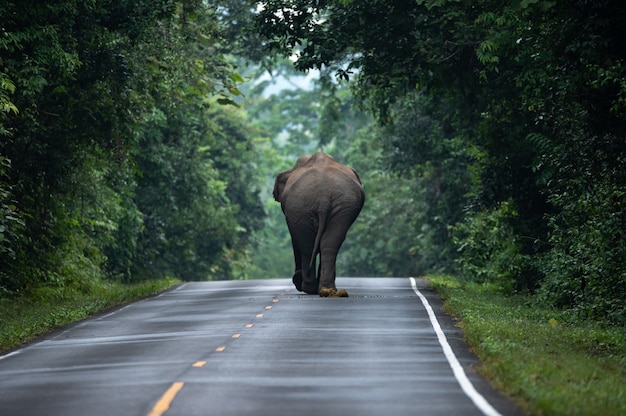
320, 198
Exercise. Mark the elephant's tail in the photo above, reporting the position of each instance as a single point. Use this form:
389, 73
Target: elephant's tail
321, 226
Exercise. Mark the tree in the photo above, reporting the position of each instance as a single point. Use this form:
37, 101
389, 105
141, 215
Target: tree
532, 91
104, 103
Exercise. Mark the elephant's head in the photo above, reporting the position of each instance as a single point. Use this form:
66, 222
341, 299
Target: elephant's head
281, 178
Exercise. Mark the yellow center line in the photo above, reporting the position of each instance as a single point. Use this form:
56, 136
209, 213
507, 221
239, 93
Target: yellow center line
165, 401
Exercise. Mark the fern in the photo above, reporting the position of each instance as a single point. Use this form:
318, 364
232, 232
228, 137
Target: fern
543, 147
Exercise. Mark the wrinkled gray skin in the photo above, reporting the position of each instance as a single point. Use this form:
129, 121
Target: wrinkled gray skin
320, 198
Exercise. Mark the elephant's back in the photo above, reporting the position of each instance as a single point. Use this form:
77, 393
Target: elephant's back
304, 191
317, 189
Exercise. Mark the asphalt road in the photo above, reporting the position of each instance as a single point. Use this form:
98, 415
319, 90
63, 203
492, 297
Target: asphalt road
256, 348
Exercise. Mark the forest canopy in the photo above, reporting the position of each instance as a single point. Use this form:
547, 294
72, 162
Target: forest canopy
139, 141
122, 157
510, 118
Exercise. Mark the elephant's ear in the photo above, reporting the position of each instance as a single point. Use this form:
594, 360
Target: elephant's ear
357, 176
279, 185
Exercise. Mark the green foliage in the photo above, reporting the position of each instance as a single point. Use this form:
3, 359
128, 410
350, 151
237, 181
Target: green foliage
382, 241
544, 359
533, 91
191, 215
585, 269
122, 166
272, 256
11, 228
421, 142
490, 116
491, 250
405, 223
286, 124
7, 88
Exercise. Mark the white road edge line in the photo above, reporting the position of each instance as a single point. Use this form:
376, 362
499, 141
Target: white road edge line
108, 315
457, 369
2, 357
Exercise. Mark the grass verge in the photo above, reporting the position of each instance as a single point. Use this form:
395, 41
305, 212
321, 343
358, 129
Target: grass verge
23, 319
548, 365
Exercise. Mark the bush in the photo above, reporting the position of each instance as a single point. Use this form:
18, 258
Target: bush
586, 267
492, 251
11, 226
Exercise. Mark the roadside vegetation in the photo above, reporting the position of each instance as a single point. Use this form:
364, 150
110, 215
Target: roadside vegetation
25, 318
543, 358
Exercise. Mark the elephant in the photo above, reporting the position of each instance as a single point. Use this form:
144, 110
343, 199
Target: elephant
321, 198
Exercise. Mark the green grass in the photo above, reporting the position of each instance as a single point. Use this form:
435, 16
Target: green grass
548, 365
23, 319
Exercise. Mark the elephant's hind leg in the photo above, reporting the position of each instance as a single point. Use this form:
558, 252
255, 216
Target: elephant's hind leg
297, 280
309, 281
304, 277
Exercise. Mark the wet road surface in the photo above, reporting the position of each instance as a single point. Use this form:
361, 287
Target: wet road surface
256, 348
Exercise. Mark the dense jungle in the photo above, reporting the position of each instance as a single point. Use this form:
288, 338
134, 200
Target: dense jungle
141, 139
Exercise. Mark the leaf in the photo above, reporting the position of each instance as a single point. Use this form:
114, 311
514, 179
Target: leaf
227, 101
235, 91
236, 77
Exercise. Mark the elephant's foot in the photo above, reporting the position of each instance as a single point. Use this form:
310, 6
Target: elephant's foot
297, 280
328, 292
302, 285
311, 290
